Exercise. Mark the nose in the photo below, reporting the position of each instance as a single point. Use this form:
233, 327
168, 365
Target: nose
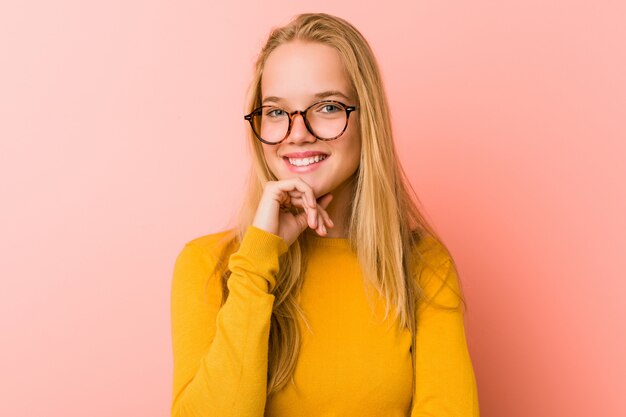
299, 132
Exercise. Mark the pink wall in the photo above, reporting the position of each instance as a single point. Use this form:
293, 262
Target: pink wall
122, 138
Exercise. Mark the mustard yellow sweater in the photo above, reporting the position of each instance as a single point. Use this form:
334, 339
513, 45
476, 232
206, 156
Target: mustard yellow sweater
351, 363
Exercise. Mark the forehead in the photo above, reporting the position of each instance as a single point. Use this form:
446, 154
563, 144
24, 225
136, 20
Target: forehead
297, 71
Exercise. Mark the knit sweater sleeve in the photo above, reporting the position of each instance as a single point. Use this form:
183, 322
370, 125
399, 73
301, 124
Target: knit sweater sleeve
445, 381
220, 353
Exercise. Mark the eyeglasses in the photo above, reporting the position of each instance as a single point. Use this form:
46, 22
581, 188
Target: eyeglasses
326, 120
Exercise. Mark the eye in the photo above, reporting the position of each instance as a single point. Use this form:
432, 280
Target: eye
329, 108
275, 112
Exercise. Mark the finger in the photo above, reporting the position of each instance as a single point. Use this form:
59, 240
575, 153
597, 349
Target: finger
313, 223
286, 186
311, 213
321, 229
299, 184
299, 201
324, 201
296, 194
281, 189
290, 188
326, 218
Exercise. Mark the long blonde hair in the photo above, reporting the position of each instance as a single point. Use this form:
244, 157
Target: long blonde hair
384, 217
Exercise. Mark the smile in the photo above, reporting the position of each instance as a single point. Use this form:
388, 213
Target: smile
303, 165
302, 162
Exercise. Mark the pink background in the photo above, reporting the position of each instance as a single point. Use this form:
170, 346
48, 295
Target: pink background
122, 138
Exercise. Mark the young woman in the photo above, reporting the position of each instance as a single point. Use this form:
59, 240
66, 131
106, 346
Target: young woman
332, 297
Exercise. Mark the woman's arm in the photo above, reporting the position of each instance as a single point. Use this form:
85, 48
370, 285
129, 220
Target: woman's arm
445, 382
220, 354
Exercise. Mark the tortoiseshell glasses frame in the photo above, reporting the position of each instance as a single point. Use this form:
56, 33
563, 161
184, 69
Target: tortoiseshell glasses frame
258, 113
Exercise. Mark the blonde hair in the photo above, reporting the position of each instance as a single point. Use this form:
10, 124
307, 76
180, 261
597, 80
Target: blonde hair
384, 217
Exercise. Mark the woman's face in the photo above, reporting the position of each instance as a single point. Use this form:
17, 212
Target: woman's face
296, 75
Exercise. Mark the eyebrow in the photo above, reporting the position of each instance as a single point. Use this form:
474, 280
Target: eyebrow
321, 95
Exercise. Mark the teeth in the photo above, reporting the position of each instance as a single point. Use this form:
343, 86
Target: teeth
302, 162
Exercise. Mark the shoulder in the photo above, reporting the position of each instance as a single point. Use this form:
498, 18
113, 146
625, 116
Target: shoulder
430, 252
212, 246
195, 280
436, 272
198, 267
200, 256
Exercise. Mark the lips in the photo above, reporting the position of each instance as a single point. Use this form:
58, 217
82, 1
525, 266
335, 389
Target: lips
307, 154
